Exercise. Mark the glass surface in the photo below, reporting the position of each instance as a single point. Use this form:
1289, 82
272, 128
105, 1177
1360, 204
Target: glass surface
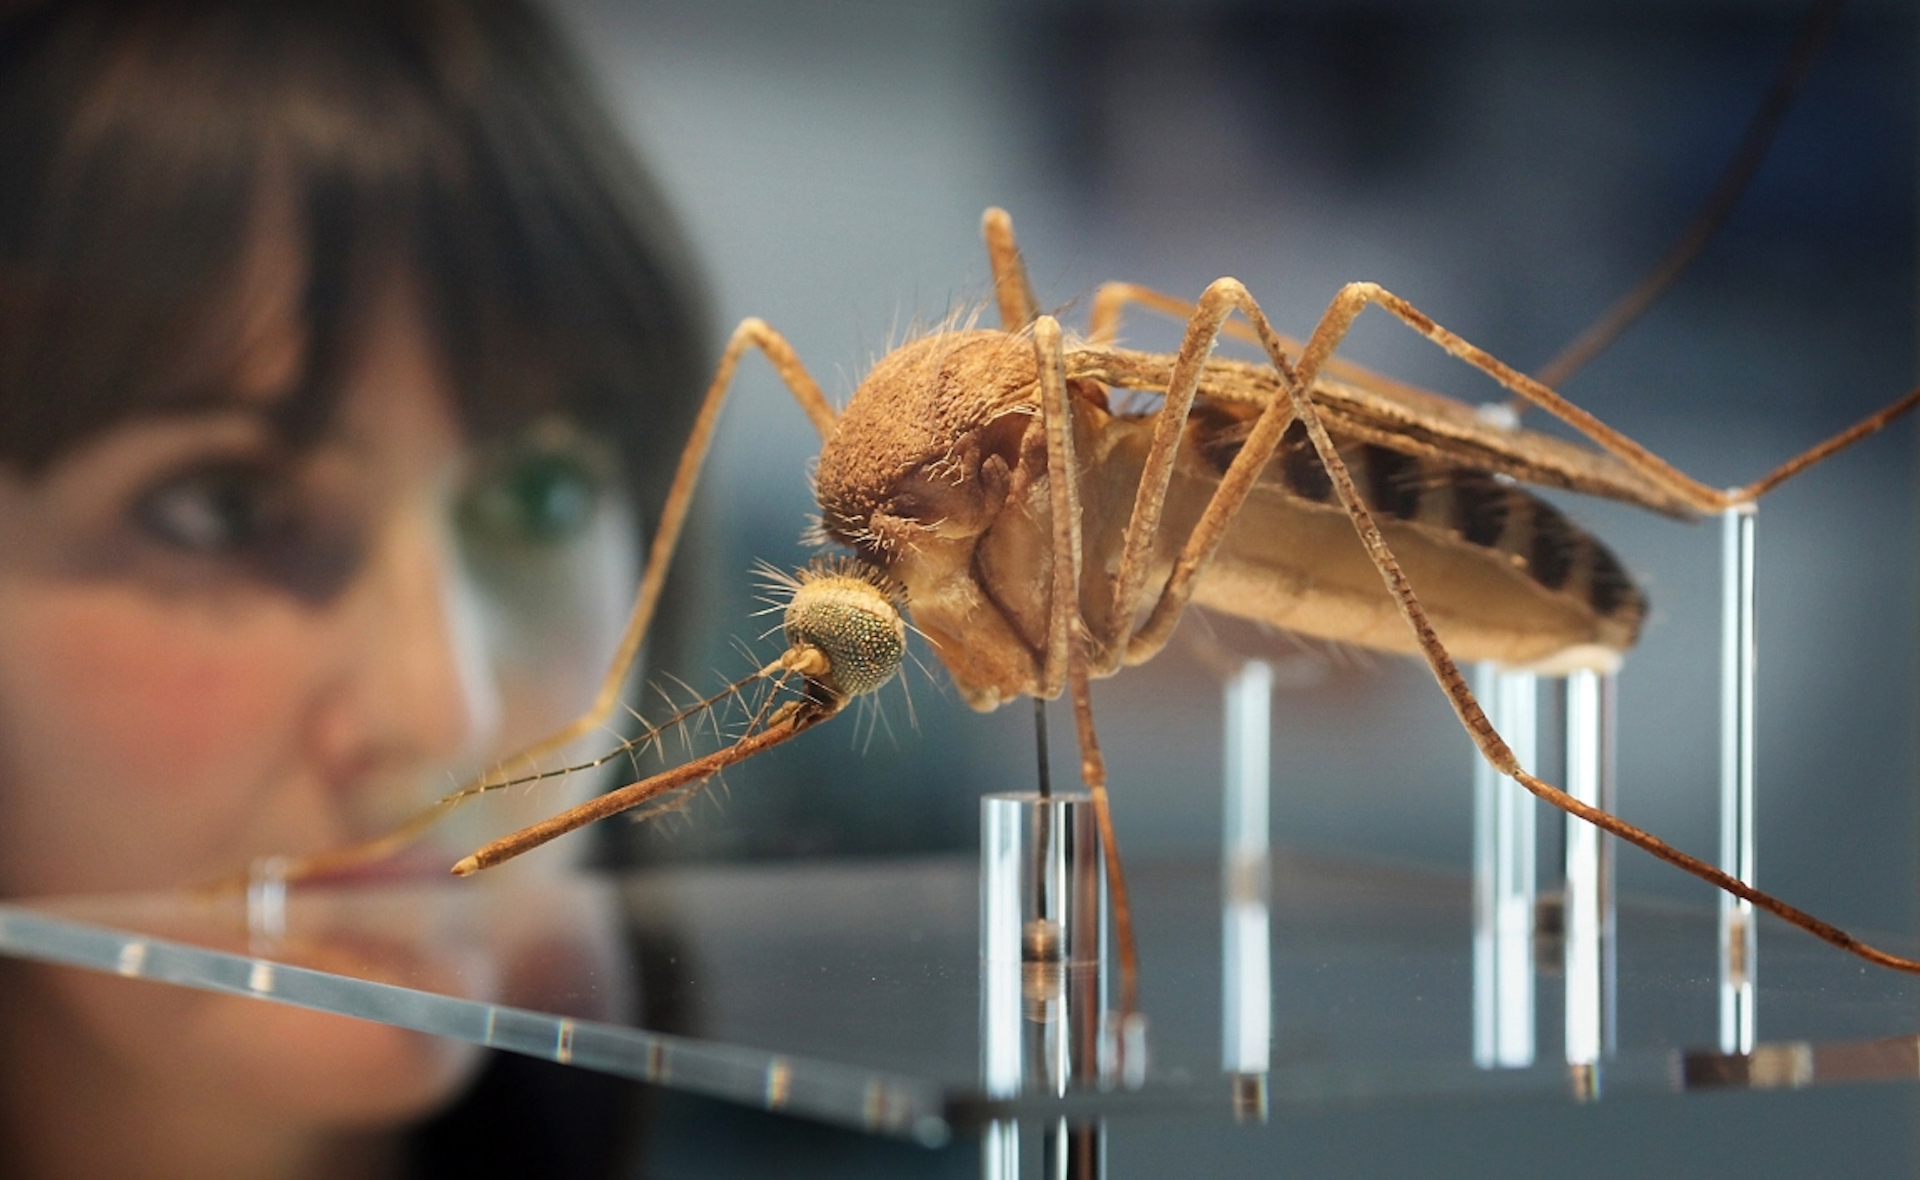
850, 991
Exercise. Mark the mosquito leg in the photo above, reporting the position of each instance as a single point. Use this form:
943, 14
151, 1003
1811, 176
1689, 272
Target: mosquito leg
1354, 297
1093, 772
1489, 742
1012, 292
1067, 637
1063, 486
752, 333
1111, 300
1815, 27
1207, 320
1143, 523
1220, 298
1871, 424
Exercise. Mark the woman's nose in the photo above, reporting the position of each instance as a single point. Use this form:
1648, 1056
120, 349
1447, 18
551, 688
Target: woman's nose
418, 690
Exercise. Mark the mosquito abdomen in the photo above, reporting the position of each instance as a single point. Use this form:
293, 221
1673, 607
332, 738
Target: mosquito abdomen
1504, 575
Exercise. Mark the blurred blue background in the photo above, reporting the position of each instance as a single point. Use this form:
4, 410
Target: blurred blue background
1510, 168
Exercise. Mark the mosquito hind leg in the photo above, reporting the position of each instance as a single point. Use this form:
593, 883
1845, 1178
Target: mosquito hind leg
1489, 741
1233, 489
751, 333
1354, 298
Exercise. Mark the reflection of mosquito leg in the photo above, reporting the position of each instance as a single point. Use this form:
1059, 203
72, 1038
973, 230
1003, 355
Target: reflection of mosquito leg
1496, 750
1067, 637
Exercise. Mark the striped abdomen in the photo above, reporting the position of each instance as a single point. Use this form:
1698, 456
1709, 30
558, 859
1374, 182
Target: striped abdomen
1503, 574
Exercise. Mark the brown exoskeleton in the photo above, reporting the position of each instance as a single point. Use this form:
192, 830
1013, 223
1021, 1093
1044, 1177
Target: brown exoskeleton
1306, 493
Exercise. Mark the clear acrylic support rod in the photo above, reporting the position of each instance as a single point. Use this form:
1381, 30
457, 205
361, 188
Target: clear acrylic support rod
1042, 969
1042, 942
1504, 878
1589, 908
1246, 1023
1738, 945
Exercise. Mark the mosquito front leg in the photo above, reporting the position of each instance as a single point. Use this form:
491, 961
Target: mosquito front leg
1063, 489
1489, 741
752, 333
1067, 636
1354, 297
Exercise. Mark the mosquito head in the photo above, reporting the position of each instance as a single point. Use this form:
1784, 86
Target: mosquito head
850, 613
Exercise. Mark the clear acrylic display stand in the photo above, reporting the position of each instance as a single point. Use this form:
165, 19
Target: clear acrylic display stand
1506, 900
1588, 916
1246, 871
1738, 944
1504, 878
1042, 971
850, 991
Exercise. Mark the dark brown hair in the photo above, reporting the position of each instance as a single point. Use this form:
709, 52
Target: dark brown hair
138, 139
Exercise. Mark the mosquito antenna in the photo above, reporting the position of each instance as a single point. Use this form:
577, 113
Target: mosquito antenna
702, 706
1815, 27
786, 722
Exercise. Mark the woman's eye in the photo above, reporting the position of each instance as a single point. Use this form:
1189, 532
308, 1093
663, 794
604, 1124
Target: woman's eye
544, 499
213, 512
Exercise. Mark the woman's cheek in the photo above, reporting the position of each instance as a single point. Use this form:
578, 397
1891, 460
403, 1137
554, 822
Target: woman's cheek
136, 732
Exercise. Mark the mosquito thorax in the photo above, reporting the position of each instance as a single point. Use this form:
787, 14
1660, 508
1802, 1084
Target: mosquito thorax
850, 612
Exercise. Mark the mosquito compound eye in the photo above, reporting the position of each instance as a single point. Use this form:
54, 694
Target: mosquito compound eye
850, 613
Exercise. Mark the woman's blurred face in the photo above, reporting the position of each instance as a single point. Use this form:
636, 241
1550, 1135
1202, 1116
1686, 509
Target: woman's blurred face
214, 649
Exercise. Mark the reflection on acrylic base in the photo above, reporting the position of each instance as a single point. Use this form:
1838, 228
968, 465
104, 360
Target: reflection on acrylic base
1043, 1012
850, 991
422, 957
